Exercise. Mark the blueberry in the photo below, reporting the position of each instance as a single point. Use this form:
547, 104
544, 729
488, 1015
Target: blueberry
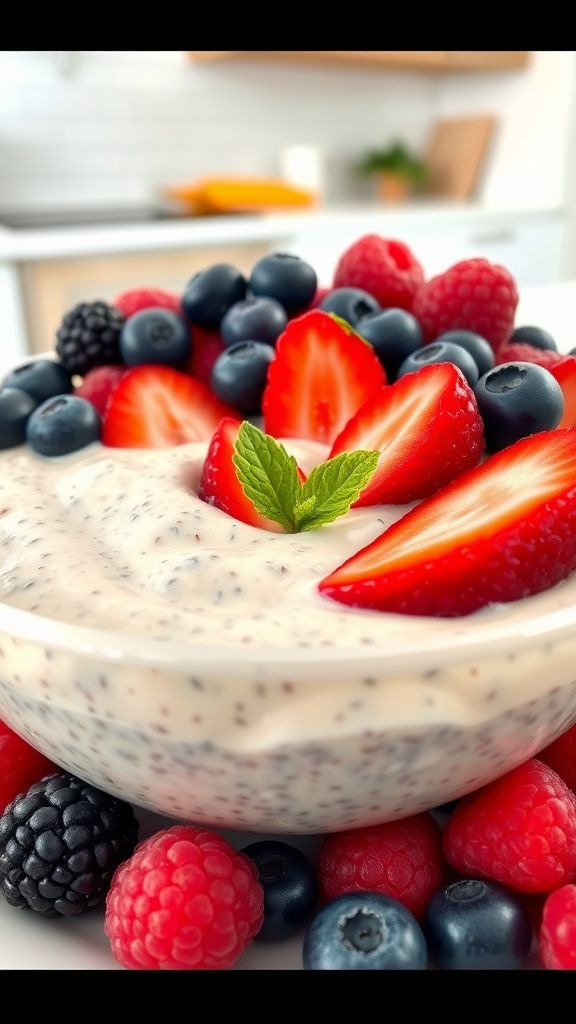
211, 292
155, 336
394, 335
16, 407
290, 888
352, 304
515, 400
41, 378
475, 345
364, 932
477, 926
239, 374
62, 425
286, 278
441, 352
535, 336
258, 319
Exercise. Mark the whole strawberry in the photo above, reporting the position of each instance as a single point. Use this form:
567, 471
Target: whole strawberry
475, 295
385, 268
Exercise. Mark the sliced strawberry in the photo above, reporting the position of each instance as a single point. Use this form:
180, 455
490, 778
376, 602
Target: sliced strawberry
157, 407
427, 428
502, 531
565, 374
206, 347
323, 372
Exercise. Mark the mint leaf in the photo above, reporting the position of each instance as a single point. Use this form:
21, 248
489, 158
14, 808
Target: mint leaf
336, 484
304, 508
268, 475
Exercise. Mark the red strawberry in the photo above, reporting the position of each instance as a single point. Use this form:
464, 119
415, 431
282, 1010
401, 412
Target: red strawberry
565, 374
518, 353
385, 268
323, 372
157, 407
206, 347
135, 299
427, 428
474, 294
502, 531
99, 384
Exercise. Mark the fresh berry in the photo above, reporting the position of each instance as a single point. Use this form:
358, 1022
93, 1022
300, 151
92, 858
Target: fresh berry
384, 268
535, 336
256, 319
518, 353
401, 859
427, 428
474, 344
558, 931
286, 278
478, 540
219, 484
516, 400
185, 901
476, 295
240, 374
60, 844
477, 926
441, 352
565, 373
155, 336
20, 766
135, 299
364, 932
561, 757
352, 304
322, 374
99, 384
394, 334
62, 425
89, 336
320, 295
157, 407
16, 407
41, 378
210, 293
290, 888
206, 347
519, 830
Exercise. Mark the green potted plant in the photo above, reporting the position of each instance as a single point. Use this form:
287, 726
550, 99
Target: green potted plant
398, 172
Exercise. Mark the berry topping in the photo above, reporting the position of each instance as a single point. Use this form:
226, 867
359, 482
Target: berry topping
516, 400
185, 901
352, 304
60, 844
535, 336
383, 267
155, 336
401, 859
565, 373
519, 830
16, 407
239, 375
286, 278
210, 293
521, 353
441, 352
290, 888
20, 766
256, 319
135, 299
157, 407
62, 425
474, 344
427, 429
99, 384
476, 541
558, 932
476, 295
206, 347
364, 932
41, 378
89, 336
394, 334
322, 374
561, 757
477, 926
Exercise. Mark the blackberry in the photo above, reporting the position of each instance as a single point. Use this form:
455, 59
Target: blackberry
60, 844
89, 336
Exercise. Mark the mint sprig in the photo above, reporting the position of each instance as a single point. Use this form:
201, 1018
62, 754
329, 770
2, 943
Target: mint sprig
269, 478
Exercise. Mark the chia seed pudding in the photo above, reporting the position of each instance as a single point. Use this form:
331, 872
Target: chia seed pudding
185, 661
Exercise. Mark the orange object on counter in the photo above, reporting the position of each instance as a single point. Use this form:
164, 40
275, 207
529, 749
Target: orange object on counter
240, 195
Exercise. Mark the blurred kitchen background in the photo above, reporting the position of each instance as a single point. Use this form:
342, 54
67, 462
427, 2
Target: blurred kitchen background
128, 168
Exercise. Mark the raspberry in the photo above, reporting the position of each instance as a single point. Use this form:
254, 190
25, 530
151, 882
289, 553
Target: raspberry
185, 900
385, 268
401, 859
99, 384
206, 347
528, 354
561, 757
20, 766
519, 830
135, 299
558, 932
475, 295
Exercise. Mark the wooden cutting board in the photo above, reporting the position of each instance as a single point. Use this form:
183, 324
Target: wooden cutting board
456, 154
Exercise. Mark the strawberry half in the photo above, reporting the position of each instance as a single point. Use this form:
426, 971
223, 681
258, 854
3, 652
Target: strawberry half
501, 532
158, 407
565, 374
323, 372
427, 428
